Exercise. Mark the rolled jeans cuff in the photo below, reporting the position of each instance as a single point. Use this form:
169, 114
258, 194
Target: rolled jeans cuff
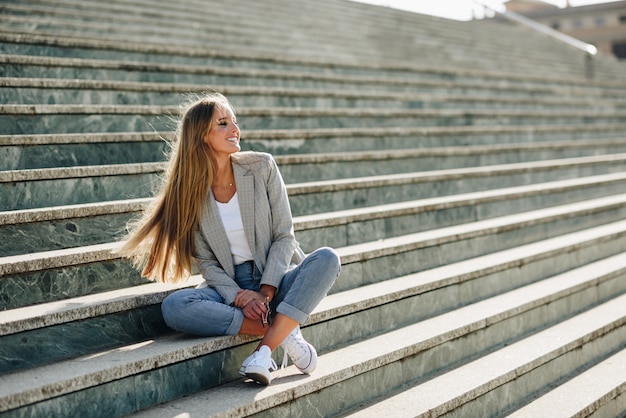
235, 326
293, 313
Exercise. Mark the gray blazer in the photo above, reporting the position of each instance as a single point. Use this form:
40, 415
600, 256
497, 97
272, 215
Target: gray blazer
267, 223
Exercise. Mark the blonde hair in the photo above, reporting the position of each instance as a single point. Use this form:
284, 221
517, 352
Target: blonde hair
161, 243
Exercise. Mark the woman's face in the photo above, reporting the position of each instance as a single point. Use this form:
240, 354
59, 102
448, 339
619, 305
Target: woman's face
223, 137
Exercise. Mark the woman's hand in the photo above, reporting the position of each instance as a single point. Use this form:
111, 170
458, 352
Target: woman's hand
253, 304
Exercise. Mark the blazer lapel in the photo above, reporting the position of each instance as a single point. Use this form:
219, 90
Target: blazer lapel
245, 194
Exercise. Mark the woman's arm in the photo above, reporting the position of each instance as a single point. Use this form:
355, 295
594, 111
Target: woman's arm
283, 239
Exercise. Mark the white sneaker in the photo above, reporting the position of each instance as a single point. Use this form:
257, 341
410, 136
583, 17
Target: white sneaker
258, 365
302, 354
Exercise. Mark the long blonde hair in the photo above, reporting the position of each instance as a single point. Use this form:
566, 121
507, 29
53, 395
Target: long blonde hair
161, 243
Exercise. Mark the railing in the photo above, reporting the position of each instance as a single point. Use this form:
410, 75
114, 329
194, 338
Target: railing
588, 49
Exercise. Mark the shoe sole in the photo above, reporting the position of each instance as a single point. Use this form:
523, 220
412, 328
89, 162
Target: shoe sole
258, 375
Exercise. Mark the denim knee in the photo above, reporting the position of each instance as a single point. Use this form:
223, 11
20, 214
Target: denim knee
329, 257
200, 312
170, 306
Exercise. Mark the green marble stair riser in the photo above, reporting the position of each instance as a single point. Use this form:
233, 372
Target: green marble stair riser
44, 193
188, 77
23, 157
109, 96
215, 370
434, 118
28, 349
30, 287
397, 264
16, 195
364, 54
34, 237
28, 157
216, 60
396, 376
459, 136
74, 339
54, 88
326, 201
67, 232
52, 284
388, 227
321, 171
19, 124
101, 149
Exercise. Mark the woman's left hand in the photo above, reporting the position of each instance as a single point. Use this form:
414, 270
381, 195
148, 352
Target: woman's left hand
251, 303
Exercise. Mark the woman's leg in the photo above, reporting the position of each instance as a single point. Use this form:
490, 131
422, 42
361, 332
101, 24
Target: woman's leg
201, 312
300, 292
281, 327
302, 289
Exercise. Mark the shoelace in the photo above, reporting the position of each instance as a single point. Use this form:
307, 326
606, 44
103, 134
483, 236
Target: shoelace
293, 342
273, 365
285, 360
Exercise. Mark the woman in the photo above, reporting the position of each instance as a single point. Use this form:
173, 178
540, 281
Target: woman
229, 211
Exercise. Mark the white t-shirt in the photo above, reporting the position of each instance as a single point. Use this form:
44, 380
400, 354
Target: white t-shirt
230, 213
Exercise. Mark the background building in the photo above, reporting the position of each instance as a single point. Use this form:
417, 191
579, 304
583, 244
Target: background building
603, 24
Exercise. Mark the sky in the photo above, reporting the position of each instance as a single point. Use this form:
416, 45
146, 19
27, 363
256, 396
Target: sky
459, 9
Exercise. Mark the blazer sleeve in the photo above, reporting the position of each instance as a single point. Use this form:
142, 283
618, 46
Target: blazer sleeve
283, 241
212, 272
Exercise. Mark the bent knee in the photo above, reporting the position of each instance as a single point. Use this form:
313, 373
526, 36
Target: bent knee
167, 309
330, 258
171, 307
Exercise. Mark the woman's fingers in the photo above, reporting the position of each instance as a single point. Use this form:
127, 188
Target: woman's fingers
245, 297
255, 309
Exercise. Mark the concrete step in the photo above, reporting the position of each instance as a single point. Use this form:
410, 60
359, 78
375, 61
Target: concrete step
356, 139
342, 194
513, 225
29, 189
343, 46
412, 30
47, 151
20, 90
341, 165
128, 363
24, 189
424, 350
56, 275
238, 75
53, 275
499, 382
320, 20
47, 229
41, 119
347, 45
598, 391
386, 260
53, 228
23, 152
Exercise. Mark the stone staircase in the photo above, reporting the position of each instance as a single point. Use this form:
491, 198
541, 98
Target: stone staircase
470, 176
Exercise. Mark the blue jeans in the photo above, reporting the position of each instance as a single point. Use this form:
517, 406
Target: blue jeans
203, 311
